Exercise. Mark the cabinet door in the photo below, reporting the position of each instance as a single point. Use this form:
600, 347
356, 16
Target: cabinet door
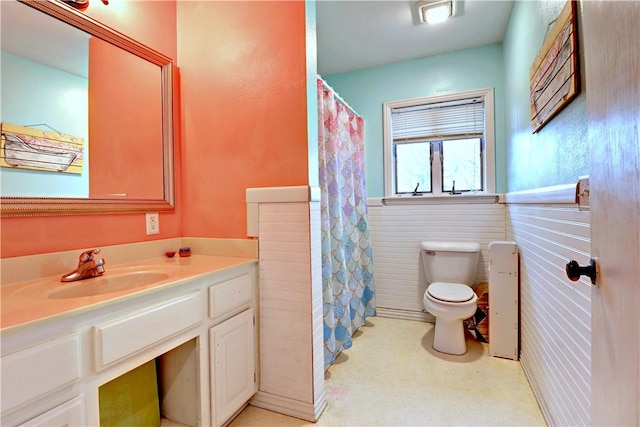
232, 359
68, 414
40, 370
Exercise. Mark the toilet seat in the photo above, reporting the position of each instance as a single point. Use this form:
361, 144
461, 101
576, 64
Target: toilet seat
450, 292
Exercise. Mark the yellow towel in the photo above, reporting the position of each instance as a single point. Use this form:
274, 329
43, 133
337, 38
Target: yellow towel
131, 399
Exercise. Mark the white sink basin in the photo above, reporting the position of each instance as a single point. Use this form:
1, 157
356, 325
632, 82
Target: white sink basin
110, 282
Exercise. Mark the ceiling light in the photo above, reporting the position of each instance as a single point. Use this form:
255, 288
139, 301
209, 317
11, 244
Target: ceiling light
432, 12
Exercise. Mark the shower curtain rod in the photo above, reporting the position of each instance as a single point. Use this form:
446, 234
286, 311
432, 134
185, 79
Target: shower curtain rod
342, 101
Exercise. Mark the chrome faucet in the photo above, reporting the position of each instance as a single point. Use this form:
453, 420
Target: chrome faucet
88, 267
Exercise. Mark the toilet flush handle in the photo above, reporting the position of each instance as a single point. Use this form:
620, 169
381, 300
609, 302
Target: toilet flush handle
574, 270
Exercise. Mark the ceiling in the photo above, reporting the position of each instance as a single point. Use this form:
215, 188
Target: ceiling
357, 34
31, 34
351, 34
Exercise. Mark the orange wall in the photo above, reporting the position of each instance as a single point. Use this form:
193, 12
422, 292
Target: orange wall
241, 123
125, 150
154, 24
243, 107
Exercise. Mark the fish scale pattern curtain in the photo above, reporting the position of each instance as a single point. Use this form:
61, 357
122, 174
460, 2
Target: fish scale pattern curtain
347, 263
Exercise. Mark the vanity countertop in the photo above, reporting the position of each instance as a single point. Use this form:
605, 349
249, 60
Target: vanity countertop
20, 307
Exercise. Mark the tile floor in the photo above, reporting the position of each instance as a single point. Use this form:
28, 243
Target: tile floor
393, 377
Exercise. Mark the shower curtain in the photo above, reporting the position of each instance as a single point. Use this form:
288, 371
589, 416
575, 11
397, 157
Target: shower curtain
347, 264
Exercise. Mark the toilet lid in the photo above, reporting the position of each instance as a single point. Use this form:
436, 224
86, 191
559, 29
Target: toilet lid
450, 292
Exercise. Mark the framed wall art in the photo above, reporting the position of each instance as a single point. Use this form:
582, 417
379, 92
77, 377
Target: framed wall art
553, 77
44, 150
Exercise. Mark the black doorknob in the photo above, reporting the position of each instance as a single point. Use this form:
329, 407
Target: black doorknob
574, 270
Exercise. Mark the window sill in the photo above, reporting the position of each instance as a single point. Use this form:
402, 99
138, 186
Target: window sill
444, 199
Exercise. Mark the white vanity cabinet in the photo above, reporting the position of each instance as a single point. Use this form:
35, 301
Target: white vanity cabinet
68, 414
40, 377
232, 348
52, 370
40, 369
121, 337
232, 370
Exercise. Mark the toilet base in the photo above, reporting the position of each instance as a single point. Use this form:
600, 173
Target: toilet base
449, 336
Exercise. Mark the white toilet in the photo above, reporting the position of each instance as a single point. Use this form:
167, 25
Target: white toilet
450, 269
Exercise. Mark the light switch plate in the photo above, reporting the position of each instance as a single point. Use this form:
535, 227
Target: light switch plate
582, 193
153, 223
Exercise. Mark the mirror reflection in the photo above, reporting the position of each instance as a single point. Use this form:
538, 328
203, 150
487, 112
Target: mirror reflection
60, 86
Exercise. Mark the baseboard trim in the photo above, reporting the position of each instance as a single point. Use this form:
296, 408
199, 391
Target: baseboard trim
291, 407
234, 416
405, 314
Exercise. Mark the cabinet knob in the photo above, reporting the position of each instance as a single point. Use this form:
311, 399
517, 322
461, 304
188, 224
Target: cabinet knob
575, 270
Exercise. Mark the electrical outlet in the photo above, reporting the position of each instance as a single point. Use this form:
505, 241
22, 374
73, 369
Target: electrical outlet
153, 223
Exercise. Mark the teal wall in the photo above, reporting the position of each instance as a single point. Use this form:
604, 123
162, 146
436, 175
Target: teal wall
312, 93
366, 91
558, 153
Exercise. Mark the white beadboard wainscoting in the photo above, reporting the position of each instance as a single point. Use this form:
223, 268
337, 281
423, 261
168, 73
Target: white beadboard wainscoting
396, 232
287, 223
555, 313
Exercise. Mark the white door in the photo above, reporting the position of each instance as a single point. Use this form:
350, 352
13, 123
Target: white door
611, 32
232, 356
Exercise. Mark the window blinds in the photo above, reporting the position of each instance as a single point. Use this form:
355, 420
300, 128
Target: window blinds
432, 122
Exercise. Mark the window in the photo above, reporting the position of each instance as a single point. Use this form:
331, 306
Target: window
441, 144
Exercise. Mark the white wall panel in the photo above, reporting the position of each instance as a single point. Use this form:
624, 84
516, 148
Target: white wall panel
316, 303
396, 234
290, 295
285, 300
555, 313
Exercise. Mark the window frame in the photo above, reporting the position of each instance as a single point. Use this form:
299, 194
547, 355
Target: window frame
488, 166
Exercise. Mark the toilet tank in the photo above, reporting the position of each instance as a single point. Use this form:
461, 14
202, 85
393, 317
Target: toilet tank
450, 262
